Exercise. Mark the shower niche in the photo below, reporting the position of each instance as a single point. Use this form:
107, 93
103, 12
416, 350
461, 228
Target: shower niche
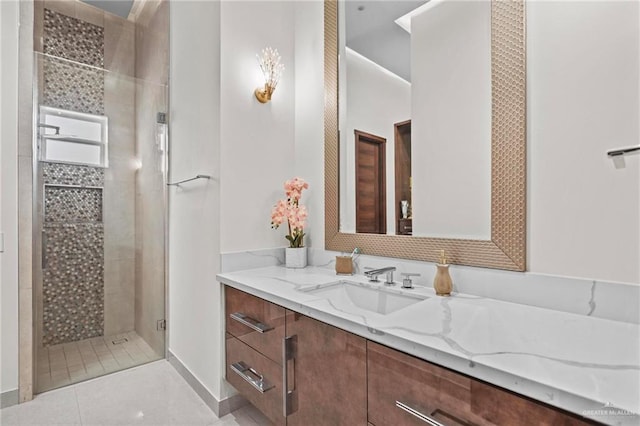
99, 194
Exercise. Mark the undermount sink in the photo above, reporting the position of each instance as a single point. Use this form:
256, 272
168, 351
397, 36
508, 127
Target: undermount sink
373, 298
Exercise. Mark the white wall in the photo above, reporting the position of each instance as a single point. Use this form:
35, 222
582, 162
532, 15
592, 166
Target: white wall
257, 140
376, 100
451, 127
583, 95
219, 128
195, 323
9, 18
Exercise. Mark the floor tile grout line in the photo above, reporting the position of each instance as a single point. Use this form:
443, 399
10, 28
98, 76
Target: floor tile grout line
90, 360
135, 343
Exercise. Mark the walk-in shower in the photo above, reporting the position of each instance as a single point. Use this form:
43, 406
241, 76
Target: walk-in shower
99, 188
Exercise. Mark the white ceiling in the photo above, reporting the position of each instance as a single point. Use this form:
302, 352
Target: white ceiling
373, 33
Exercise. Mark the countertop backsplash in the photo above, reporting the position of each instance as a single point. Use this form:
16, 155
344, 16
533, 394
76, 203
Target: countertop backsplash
601, 299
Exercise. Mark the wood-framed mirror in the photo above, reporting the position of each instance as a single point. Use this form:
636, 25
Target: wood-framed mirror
506, 247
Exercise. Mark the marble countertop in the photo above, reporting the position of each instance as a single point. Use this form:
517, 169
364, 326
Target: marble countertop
586, 365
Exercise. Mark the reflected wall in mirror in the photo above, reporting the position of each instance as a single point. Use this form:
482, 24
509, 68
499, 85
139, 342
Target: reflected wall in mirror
426, 136
416, 75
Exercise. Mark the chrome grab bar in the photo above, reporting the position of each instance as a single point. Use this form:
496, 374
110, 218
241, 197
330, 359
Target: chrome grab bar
262, 385
189, 180
418, 414
250, 322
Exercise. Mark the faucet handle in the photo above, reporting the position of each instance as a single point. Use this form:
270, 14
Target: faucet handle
406, 281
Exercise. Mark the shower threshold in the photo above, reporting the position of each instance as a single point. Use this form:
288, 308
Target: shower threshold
68, 363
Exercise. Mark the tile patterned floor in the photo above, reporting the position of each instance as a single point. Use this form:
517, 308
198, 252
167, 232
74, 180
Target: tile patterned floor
69, 363
152, 394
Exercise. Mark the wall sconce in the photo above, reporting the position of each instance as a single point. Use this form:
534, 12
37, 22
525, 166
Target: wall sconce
272, 71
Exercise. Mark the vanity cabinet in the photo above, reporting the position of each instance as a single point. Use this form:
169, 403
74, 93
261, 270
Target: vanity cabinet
255, 332
302, 372
302, 375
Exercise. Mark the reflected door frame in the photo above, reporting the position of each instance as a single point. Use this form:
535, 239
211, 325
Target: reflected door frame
366, 143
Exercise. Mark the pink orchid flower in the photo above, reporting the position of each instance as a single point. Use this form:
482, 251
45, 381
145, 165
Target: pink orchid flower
291, 210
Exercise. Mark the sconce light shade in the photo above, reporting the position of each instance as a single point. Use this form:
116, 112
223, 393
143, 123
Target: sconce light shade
271, 70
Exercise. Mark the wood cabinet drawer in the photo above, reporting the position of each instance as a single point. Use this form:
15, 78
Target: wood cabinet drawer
502, 407
268, 401
256, 322
399, 383
394, 377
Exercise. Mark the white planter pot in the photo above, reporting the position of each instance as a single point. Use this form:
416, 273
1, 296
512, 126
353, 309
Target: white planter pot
295, 257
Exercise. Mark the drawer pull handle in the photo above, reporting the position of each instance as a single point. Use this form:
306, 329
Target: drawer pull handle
241, 369
287, 355
250, 322
418, 414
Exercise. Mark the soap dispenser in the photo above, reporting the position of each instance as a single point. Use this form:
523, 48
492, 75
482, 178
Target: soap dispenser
442, 283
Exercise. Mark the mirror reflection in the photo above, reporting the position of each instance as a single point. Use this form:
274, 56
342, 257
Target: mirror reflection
415, 118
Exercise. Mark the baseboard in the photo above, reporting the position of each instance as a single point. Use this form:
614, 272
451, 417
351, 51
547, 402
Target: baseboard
9, 398
220, 408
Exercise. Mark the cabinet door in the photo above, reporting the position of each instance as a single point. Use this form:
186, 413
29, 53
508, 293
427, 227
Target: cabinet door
327, 376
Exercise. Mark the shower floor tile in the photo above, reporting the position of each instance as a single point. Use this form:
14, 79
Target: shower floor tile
69, 363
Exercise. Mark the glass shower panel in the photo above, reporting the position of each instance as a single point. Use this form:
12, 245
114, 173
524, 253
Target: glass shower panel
99, 200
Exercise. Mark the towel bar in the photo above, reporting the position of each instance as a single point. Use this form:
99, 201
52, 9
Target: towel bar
189, 180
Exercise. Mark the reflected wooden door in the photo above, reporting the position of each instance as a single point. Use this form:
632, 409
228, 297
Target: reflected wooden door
370, 169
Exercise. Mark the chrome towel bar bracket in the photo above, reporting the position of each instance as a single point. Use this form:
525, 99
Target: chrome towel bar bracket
189, 180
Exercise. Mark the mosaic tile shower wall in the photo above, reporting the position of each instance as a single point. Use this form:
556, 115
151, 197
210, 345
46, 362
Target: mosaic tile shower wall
73, 87
73, 39
71, 205
73, 273
73, 290
71, 174
70, 85
73, 232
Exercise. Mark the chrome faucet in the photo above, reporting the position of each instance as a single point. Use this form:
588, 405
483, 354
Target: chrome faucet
372, 274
